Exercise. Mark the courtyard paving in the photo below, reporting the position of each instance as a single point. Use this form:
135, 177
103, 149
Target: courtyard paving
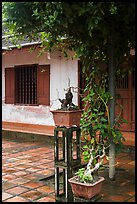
28, 173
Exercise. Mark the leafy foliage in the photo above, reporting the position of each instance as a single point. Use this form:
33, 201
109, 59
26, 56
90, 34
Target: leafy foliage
95, 125
83, 178
84, 27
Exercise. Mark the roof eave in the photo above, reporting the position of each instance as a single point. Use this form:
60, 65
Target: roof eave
22, 45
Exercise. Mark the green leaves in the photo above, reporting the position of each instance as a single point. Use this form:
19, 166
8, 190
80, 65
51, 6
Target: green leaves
124, 120
84, 23
85, 147
95, 110
103, 119
95, 118
113, 8
83, 178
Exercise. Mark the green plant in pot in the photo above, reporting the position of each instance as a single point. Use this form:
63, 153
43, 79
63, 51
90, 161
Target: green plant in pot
95, 135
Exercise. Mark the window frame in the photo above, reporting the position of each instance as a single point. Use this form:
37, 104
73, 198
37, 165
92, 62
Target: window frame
43, 85
25, 104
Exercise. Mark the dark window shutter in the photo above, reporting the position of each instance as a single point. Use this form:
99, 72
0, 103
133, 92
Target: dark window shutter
43, 85
9, 85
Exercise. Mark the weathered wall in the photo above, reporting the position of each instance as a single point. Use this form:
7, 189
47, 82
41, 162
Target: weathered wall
60, 71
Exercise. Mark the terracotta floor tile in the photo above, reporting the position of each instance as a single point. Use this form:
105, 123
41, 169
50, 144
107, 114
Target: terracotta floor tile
131, 193
33, 169
30, 176
20, 173
128, 166
46, 189
6, 196
8, 170
33, 154
20, 181
22, 166
12, 159
47, 199
46, 160
46, 172
7, 185
17, 190
46, 166
36, 163
49, 161
17, 199
131, 199
25, 161
8, 177
9, 165
24, 156
33, 159
32, 195
33, 184
118, 198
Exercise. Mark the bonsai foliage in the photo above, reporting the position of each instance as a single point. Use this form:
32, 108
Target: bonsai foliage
66, 104
95, 124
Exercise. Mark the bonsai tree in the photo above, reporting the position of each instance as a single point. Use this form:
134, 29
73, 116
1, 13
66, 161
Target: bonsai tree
95, 125
66, 103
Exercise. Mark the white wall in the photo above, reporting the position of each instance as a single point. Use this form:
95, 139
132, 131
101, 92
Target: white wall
60, 71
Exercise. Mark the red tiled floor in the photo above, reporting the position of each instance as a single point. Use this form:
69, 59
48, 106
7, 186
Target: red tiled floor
8, 177
46, 189
132, 193
7, 185
47, 199
22, 166
20, 181
46, 172
131, 200
31, 176
20, 173
17, 190
32, 195
6, 196
9, 170
25, 163
33, 169
117, 198
32, 184
16, 199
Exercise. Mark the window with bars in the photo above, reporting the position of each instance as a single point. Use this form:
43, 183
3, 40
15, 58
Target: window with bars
27, 85
122, 82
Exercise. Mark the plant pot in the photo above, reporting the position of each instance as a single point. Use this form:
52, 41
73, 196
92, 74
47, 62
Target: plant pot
85, 190
67, 118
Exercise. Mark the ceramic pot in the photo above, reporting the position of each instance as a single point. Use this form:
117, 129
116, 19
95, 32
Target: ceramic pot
85, 190
67, 118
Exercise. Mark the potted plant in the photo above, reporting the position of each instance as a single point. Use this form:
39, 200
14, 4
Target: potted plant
69, 114
95, 136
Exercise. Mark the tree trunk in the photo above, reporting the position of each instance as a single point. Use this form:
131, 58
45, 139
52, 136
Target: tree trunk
112, 108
